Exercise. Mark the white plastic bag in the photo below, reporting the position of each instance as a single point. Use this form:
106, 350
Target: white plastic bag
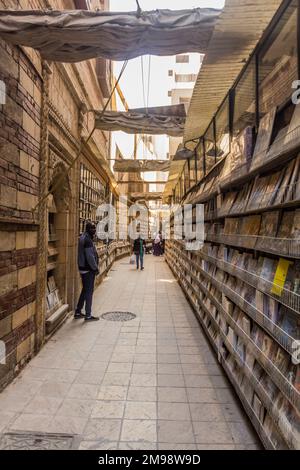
132, 259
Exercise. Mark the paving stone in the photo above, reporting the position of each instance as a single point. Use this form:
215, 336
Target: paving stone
175, 432
139, 430
174, 411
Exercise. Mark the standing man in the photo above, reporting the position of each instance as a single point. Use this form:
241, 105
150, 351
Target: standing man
138, 249
88, 267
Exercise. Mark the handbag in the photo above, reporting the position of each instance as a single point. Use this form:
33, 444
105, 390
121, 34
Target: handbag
132, 259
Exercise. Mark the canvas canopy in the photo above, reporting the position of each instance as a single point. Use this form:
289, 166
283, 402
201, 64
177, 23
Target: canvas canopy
72, 36
137, 166
133, 122
146, 196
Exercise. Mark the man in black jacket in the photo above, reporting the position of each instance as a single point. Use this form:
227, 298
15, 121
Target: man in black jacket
139, 250
88, 267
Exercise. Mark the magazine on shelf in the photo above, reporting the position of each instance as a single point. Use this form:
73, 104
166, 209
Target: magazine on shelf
240, 347
290, 322
258, 371
295, 232
258, 408
249, 359
292, 280
257, 335
292, 191
51, 283
267, 346
271, 309
272, 188
268, 229
264, 137
269, 387
259, 189
281, 360
283, 191
267, 274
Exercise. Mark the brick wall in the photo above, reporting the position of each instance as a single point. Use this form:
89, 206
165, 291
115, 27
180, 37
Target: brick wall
70, 87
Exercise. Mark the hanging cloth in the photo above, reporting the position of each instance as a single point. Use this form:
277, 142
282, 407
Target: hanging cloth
75, 35
133, 122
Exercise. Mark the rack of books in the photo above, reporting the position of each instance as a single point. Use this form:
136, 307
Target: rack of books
108, 254
244, 282
56, 310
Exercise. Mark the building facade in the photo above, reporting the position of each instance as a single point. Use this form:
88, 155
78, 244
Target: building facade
44, 122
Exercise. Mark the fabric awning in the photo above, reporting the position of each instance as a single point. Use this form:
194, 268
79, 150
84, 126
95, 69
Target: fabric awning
75, 35
146, 196
133, 122
138, 166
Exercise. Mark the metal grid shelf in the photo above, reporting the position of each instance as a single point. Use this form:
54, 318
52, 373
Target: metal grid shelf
283, 426
279, 379
285, 340
288, 298
288, 247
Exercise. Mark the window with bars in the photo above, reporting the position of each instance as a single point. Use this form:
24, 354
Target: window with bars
92, 193
182, 59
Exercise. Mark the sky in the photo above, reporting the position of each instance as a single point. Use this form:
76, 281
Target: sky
131, 82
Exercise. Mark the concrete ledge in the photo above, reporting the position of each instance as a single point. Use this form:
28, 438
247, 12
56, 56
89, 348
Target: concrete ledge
56, 318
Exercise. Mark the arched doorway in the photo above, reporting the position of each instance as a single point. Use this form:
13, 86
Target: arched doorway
57, 246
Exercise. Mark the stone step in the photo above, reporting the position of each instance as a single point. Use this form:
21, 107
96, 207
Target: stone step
56, 318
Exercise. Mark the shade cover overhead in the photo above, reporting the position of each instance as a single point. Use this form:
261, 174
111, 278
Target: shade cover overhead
75, 35
146, 196
137, 166
133, 122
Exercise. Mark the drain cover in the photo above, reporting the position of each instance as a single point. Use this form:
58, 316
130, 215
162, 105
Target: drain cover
35, 441
118, 316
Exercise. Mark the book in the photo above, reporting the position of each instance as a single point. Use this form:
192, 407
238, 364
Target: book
267, 274
290, 322
267, 345
264, 137
249, 359
281, 360
295, 231
292, 191
269, 387
241, 350
272, 187
51, 283
258, 408
258, 192
268, 229
292, 279
231, 226
282, 192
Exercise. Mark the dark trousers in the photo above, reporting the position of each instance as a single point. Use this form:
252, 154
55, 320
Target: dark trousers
139, 258
86, 295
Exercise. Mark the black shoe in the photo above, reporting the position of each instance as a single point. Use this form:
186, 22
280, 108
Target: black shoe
77, 316
91, 318
142, 269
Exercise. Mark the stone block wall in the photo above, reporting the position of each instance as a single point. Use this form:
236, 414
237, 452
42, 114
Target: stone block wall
23, 126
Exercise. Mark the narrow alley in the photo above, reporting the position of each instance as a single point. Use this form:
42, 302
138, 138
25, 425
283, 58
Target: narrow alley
148, 383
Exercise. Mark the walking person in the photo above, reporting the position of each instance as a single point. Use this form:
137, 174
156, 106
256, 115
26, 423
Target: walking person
88, 267
157, 245
139, 250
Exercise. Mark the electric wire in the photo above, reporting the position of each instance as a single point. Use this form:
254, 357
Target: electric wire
64, 174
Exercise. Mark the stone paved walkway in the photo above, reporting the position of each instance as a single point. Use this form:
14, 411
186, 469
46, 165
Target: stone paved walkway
150, 383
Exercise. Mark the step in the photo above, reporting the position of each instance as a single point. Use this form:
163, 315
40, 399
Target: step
56, 318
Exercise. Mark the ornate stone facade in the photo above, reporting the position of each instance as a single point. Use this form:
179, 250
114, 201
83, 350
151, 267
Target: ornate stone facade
42, 129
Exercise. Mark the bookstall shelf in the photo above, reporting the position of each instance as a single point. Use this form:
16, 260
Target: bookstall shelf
283, 338
246, 404
185, 270
243, 279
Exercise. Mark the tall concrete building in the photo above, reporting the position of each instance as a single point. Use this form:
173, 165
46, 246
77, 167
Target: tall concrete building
183, 76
